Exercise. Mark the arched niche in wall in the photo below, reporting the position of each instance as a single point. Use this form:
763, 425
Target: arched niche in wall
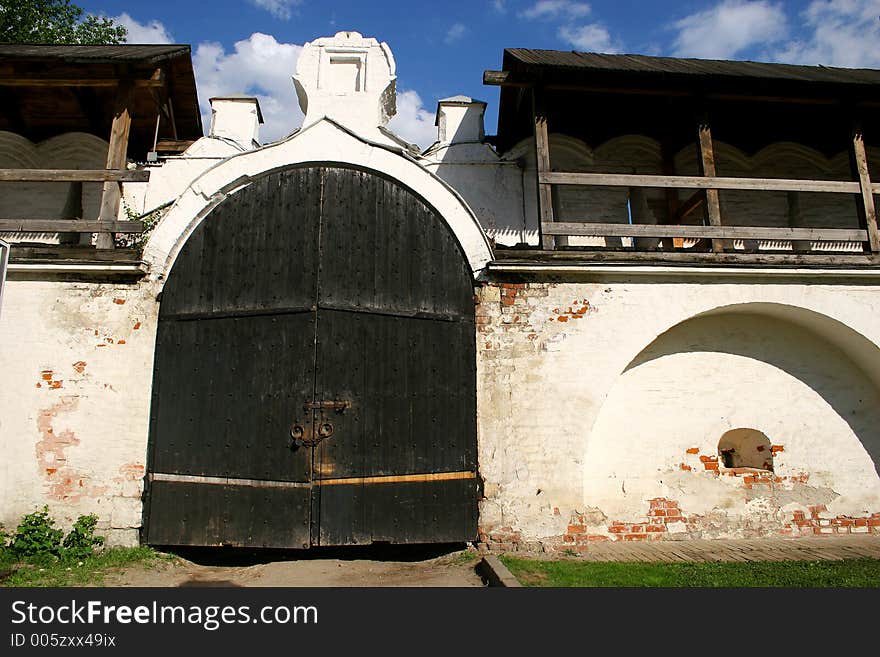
806, 381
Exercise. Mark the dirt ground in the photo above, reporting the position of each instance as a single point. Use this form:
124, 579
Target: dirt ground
337, 568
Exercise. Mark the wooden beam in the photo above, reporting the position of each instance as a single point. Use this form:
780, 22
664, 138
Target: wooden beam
116, 158
69, 226
507, 79
686, 257
796, 219
542, 159
704, 182
667, 157
74, 175
867, 191
173, 146
707, 168
78, 82
705, 232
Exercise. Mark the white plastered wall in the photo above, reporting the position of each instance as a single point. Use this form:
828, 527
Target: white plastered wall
565, 429
77, 371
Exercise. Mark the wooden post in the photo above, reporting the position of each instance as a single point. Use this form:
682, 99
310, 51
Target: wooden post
542, 159
672, 201
116, 159
707, 161
861, 165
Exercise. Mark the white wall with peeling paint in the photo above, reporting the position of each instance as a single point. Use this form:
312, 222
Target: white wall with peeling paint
589, 398
77, 369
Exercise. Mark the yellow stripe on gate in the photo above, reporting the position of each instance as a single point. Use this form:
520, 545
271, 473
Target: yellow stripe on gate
398, 479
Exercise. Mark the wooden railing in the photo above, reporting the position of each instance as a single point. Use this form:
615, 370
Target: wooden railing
706, 198
75, 225
712, 232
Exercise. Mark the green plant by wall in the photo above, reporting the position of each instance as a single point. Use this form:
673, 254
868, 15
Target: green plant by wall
138, 241
81, 541
36, 536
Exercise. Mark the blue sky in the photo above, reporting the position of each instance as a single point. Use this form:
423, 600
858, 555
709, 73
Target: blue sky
442, 48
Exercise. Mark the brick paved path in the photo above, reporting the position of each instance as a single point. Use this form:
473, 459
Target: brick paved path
758, 549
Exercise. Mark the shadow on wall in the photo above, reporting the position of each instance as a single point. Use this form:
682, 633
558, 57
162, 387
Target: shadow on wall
839, 364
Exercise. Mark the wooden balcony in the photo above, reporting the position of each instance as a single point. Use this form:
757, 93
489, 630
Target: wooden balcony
106, 224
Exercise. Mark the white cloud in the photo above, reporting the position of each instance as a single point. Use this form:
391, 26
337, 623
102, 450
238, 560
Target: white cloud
499, 6
552, 9
455, 33
150, 32
729, 28
413, 122
843, 33
260, 66
593, 37
281, 9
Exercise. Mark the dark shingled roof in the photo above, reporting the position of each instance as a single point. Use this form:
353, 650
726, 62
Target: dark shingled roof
121, 54
39, 111
596, 97
674, 66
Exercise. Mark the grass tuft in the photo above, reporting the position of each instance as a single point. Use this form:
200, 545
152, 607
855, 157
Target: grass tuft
87, 571
859, 573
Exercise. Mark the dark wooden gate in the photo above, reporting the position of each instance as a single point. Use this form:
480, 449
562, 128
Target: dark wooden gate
314, 376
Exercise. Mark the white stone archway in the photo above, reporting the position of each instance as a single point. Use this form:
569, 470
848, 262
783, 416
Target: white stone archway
324, 142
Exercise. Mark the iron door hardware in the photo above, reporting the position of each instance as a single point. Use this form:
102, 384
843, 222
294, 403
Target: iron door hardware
310, 433
338, 405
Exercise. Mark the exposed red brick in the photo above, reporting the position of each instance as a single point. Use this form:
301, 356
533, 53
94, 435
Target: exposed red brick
686, 467
46, 375
777, 448
693, 450
562, 318
137, 326
80, 366
118, 301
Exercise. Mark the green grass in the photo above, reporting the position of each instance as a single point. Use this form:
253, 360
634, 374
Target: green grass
84, 572
572, 573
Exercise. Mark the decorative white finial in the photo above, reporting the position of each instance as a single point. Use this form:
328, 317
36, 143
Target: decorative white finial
348, 78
